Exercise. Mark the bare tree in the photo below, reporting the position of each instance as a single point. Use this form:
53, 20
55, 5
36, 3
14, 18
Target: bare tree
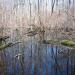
38, 5
53, 4
30, 11
57, 2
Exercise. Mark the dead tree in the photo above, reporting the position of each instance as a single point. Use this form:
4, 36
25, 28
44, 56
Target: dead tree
38, 5
57, 2
30, 11
52, 6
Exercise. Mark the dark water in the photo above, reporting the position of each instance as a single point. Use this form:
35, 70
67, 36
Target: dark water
33, 58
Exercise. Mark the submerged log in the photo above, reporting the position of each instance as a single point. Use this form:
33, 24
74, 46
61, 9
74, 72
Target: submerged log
2, 47
5, 46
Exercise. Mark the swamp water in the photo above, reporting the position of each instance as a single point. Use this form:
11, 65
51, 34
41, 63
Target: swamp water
34, 58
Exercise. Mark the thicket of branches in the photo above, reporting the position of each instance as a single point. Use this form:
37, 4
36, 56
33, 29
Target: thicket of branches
41, 13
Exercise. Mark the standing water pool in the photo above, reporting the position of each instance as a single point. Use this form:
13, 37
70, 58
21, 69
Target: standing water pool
33, 58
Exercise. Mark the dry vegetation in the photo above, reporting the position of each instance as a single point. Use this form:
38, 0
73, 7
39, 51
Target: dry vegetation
18, 17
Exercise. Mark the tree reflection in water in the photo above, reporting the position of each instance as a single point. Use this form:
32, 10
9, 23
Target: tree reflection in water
46, 59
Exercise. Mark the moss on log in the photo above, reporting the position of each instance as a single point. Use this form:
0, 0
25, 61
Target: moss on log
68, 43
5, 46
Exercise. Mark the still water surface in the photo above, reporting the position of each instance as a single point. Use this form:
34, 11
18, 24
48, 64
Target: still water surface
33, 58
